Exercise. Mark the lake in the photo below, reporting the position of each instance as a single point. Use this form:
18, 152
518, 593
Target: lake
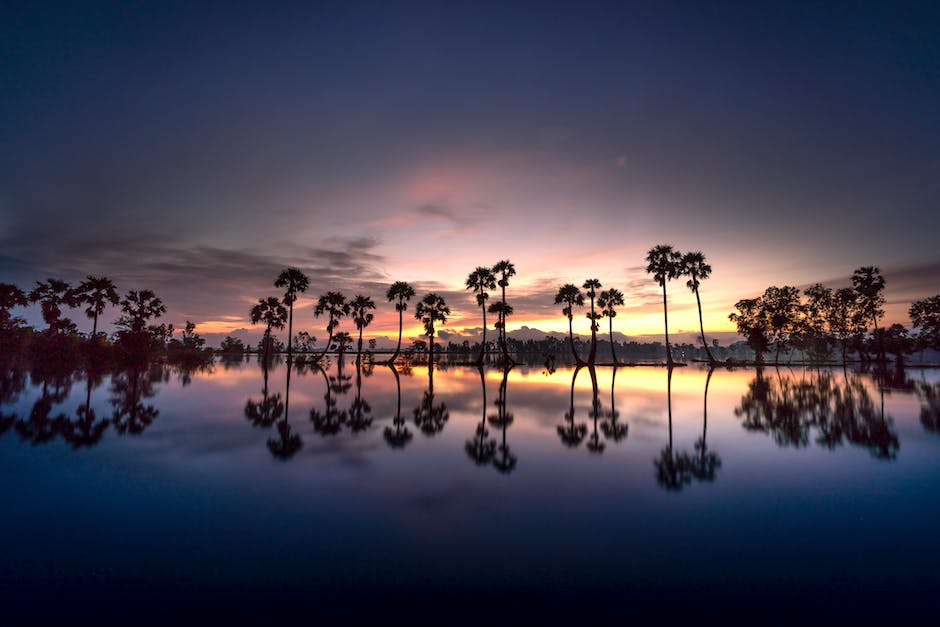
219, 492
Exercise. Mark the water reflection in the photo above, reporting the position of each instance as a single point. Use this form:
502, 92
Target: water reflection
397, 436
430, 417
287, 442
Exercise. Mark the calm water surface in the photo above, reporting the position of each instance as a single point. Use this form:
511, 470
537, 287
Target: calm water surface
803, 493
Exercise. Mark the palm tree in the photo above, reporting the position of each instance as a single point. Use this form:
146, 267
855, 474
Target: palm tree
96, 292
273, 314
360, 306
334, 304
505, 269
53, 294
664, 264
294, 282
608, 301
694, 266
401, 292
479, 281
431, 309
10, 297
570, 295
591, 286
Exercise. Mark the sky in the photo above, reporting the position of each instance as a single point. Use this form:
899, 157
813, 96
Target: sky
198, 150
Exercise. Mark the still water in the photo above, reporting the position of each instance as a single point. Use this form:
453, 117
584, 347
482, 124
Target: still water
803, 493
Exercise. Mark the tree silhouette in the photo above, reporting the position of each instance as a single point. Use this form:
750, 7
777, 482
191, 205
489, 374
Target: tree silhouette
570, 295
673, 470
751, 321
400, 436
273, 315
335, 306
53, 294
287, 443
664, 264
429, 310
705, 463
481, 280
594, 444
481, 448
294, 282
869, 286
10, 297
505, 461
96, 293
138, 308
401, 293
782, 310
361, 307
428, 417
591, 285
130, 388
571, 433
266, 412
360, 412
608, 301
925, 316
694, 266
331, 420
505, 269
86, 430
612, 429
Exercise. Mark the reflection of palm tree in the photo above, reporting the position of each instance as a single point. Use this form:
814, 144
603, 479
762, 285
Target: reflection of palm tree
331, 420
693, 265
664, 264
294, 282
362, 317
706, 462
400, 292
430, 310
673, 470
479, 281
930, 406
266, 412
428, 417
480, 449
41, 427
96, 293
505, 462
287, 443
594, 444
400, 435
273, 314
335, 306
87, 430
129, 388
570, 295
608, 301
570, 433
505, 269
360, 412
591, 285
614, 430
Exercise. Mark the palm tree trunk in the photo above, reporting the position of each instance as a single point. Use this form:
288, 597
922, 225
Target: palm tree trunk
329, 341
666, 316
613, 353
669, 404
94, 327
431, 351
290, 331
483, 343
701, 326
398, 348
359, 348
571, 339
593, 354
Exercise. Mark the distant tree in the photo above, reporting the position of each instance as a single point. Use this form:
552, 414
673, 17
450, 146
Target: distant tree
869, 286
506, 270
481, 280
591, 285
925, 316
232, 346
897, 341
342, 342
401, 293
53, 294
608, 302
752, 323
430, 310
361, 308
96, 293
270, 312
694, 267
335, 306
304, 342
664, 264
782, 307
190, 339
294, 282
10, 297
570, 295
135, 334
419, 346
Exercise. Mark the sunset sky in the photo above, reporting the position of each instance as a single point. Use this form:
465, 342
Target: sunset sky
197, 151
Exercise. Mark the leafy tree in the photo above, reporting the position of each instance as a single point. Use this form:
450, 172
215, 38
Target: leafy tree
294, 282
53, 294
694, 267
869, 286
361, 308
272, 314
304, 342
506, 270
401, 293
782, 308
10, 297
591, 285
232, 346
430, 310
570, 295
752, 322
845, 319
481, 280
925, 316
342, 341
335, 306
665, 264
96, 293
897, 341
608, 301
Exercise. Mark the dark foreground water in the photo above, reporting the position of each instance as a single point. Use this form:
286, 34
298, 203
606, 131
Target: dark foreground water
152, 494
